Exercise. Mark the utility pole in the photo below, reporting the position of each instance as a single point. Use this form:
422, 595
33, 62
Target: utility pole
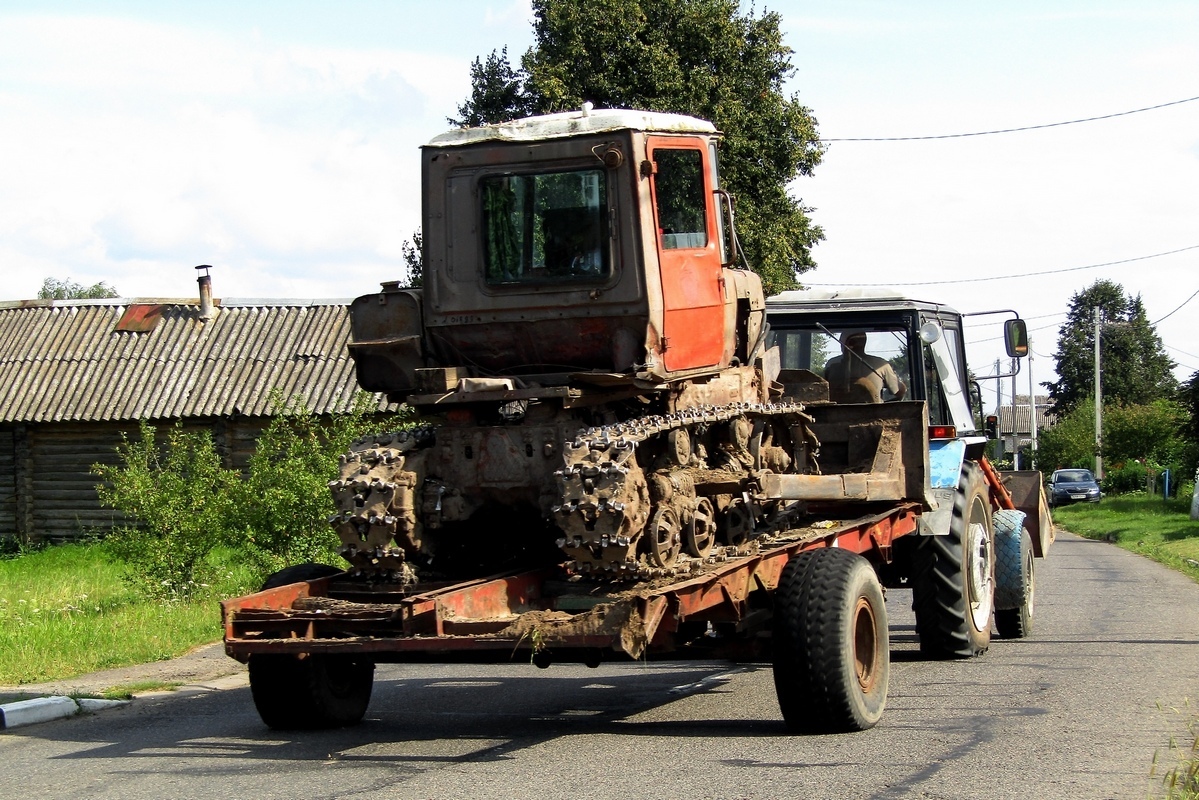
1032, 408
998, 416
1098, 404
1015, 433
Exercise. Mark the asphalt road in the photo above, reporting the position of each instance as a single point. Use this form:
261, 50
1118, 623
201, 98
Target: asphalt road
1078, 711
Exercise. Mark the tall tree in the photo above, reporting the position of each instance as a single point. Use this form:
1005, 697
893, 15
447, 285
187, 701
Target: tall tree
54, 289
1189, 398
497, 93
698, 57
1135, 369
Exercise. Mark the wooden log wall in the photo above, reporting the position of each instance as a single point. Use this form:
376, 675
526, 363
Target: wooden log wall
48, 490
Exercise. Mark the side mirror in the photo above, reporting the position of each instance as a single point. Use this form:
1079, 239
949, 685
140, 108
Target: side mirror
1015, 338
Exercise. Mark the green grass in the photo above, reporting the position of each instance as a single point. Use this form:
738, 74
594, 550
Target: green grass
66, 611
1153, 527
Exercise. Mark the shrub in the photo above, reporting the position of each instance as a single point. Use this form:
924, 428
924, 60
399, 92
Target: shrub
1124, 478
283, 505
177, 499
182, 504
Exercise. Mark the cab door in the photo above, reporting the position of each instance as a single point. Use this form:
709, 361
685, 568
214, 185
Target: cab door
688, 252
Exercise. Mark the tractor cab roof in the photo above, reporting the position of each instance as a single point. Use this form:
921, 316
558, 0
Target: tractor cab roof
574, 123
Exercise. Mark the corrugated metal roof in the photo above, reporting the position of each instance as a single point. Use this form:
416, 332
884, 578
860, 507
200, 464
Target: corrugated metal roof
1017, 418
67, 360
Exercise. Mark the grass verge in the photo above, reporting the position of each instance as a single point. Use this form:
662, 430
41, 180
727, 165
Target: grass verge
1163, 531
66, 611
1150, 526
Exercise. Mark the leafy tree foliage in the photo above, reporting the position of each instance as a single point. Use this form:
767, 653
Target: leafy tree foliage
1071, 442
697, 57
54, 289
497, 93
177, 500
1147, 434
1135, 367
414, 260
1189, 398
182, 503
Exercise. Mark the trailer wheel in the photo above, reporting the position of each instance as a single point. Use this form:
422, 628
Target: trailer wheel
298, 573
1014, 564
953, 586
831, 651
318, 691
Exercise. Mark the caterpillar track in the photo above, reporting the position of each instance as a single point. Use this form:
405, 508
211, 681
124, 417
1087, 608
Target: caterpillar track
647, 497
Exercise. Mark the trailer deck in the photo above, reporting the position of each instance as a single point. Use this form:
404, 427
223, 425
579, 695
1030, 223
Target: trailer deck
540, 613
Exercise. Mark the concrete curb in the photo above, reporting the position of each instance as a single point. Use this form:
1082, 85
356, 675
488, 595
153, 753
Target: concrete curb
44, 709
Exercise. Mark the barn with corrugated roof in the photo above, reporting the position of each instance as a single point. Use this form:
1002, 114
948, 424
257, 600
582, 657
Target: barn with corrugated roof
77, 374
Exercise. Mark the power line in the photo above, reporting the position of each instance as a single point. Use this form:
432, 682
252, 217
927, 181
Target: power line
1176, 350
1013, 130
1030, 330
1184, 302
1020, 275
1026, 319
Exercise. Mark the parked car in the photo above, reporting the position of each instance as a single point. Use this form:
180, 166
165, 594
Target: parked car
1073, 486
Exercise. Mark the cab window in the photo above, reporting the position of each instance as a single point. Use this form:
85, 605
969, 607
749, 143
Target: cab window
548, 227
679, 193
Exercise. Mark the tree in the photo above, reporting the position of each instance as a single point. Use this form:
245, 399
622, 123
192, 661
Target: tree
414, 260
697, 57
1188, 397
497, 92
1150, 434
54, 289
1134, 364
1069, 443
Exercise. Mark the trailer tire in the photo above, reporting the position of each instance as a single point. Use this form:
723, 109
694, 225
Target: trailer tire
831, 651
297, 573
313, 692
316, 691
953, 584
1016, 576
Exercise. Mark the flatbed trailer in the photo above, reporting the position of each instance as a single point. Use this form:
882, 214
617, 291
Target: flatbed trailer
312, 645
539, 615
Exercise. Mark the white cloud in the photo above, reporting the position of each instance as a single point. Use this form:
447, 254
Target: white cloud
134, 150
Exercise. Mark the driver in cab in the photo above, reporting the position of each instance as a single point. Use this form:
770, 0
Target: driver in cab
856, 377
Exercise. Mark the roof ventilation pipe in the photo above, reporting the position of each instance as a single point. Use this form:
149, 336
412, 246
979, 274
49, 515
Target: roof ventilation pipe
205, 282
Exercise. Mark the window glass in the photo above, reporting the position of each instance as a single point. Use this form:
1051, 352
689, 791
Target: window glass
545, 227
860, 364
679, 190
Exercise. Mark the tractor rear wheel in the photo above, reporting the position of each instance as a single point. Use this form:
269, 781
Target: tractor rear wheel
953, 584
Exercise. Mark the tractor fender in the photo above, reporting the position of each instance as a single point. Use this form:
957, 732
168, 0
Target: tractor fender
945, 460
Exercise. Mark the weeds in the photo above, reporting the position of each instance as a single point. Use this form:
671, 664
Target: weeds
1181, 779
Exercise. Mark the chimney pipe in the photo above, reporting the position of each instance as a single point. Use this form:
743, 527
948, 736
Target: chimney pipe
205, 282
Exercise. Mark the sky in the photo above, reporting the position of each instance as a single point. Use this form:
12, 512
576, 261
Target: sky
278, 142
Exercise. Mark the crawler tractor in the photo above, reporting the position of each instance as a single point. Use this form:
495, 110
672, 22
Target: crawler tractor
606, 462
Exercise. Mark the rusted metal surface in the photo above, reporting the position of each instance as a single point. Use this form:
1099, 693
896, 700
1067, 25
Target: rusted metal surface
1027, 491
140, 318
533, 610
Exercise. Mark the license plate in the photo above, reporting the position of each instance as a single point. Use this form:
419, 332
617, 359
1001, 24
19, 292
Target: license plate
1078, 497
